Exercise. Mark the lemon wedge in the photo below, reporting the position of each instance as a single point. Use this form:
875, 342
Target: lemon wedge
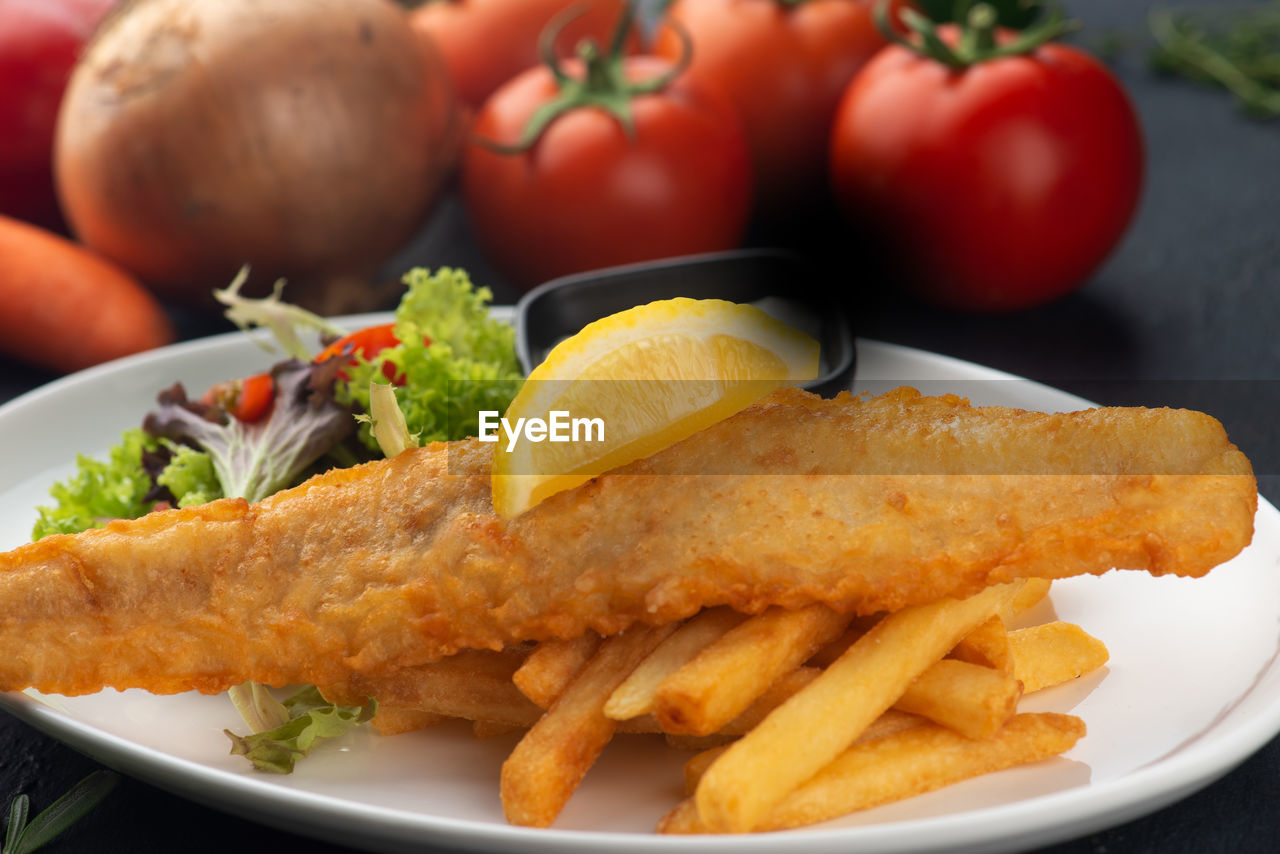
637, 382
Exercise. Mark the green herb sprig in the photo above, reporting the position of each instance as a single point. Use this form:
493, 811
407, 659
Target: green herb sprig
24, 837
1235, 48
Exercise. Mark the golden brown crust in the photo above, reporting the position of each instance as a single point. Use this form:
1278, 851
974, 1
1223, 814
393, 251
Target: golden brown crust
865, 505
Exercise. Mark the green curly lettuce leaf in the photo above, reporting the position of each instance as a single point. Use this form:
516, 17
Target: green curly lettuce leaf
191, 477
468, 365
310, 720
122, 486
100, 490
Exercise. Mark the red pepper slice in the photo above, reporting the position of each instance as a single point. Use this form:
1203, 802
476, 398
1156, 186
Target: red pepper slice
256, 396
366, 343
248, 399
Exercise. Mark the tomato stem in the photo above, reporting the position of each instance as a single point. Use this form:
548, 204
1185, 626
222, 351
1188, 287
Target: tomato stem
977, 38
603, 84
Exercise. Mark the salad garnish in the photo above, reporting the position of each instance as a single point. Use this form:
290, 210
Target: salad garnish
306, 719
455, 360
387, 422
255, 459
470, 364
355, 396
273, 313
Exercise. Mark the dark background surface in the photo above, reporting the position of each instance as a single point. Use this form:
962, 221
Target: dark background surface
1183, 314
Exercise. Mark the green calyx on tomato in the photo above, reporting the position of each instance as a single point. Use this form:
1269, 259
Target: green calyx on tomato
603, 85
977, 40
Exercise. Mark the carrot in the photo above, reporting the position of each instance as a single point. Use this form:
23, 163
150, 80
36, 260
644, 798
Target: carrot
63, 308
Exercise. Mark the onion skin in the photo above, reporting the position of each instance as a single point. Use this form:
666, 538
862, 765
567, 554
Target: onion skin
306, 138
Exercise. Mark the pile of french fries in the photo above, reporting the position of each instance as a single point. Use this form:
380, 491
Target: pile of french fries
796, 716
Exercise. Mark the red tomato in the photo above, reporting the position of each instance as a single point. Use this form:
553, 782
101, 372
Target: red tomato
366, 344
248, 399
487, 42
40, 41
256, 395
590, 194
784, 65
1003, 185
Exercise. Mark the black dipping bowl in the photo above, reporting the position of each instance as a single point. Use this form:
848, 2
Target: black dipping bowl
780, 283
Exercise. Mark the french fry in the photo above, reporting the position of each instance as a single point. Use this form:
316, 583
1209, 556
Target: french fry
921, 760
889, 718
813, 727
474, 687
890, 722
551, 666
857, 627
987, 645
697, 766
682, 819
473, 684
1053, 653
391, 720
551, 759
489, 729
973, 700
1033, 590
726, 677
775, 695
912, 762
635, 695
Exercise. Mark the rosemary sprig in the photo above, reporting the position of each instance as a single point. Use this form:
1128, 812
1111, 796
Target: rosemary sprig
1235, 48
23, 837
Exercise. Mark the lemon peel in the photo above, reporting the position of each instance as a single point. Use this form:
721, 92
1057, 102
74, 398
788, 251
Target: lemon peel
653, 374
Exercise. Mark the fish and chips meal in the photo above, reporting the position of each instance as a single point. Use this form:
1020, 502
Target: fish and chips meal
819, 599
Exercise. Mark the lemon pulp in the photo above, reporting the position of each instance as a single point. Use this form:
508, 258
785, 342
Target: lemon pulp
652, 375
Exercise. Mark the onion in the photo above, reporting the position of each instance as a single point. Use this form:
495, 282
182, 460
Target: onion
306, 138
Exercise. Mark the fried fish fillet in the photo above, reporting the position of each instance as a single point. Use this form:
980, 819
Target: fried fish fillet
865, 505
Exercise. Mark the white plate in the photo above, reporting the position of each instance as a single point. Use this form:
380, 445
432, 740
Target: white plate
1192, 689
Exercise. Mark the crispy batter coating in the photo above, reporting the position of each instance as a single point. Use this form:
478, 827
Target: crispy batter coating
865, 505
